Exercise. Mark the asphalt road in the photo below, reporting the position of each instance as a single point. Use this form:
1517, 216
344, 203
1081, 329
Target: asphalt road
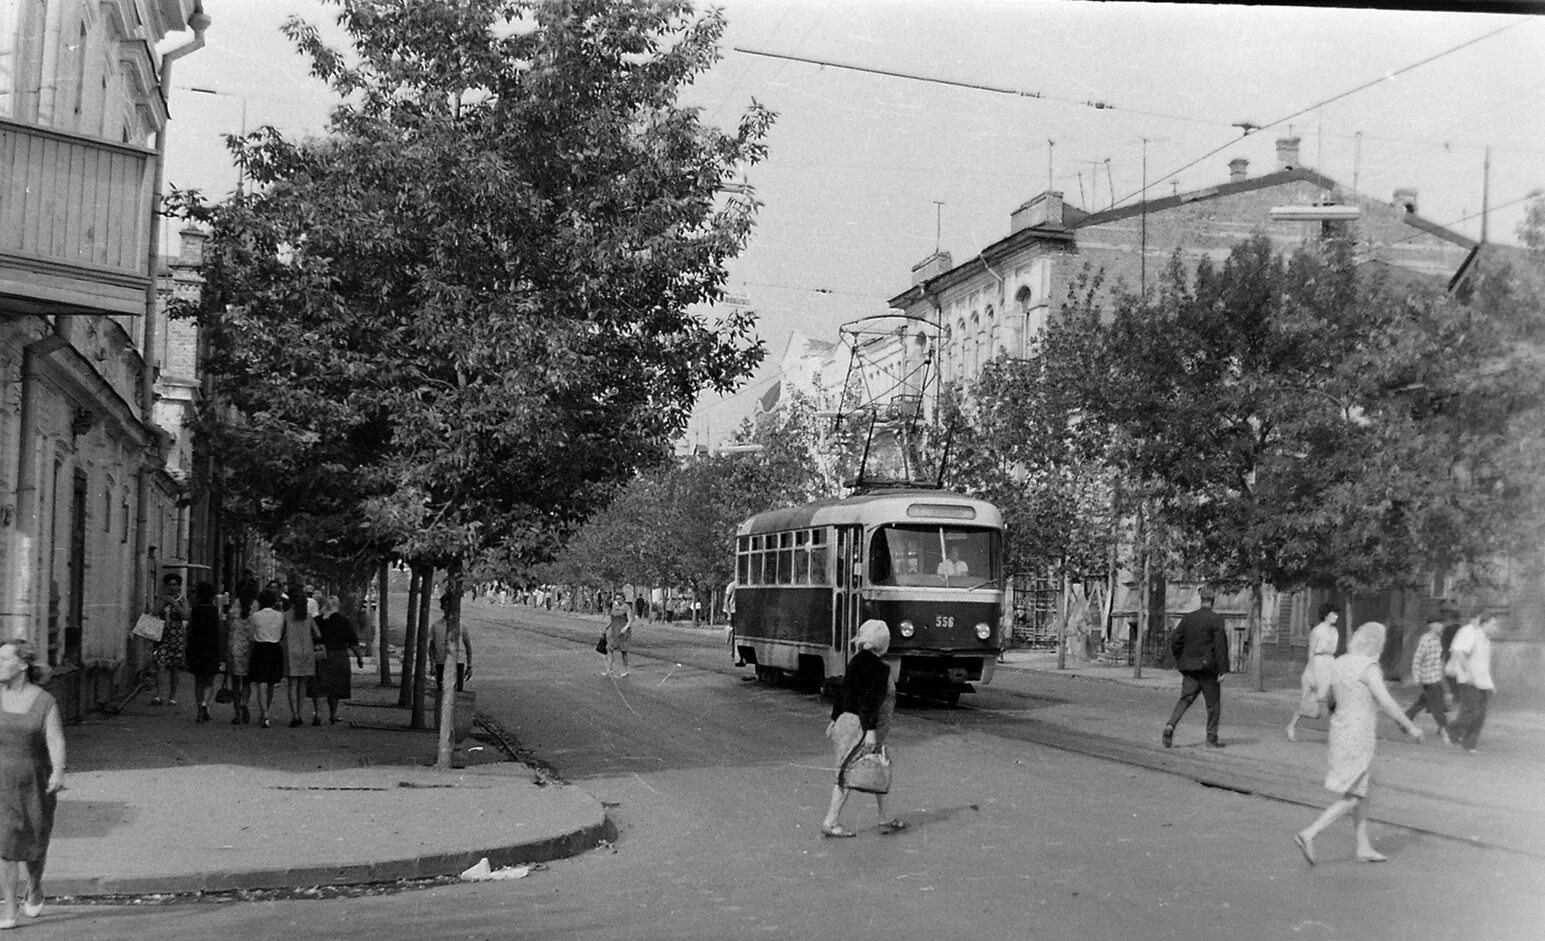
718, 785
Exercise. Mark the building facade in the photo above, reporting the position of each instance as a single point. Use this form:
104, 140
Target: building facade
88, 512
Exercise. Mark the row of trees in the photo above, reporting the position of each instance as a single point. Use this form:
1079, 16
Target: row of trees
447, 330
1289, 421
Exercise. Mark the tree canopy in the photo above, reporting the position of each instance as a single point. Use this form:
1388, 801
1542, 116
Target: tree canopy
471, 310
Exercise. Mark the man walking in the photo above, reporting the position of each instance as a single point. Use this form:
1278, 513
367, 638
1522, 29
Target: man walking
1200, 646
1469, 662
1427, 671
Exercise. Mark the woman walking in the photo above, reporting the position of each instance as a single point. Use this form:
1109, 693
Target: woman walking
861, 715
1358, 685
238, 660
31, 776
300, 661
619, 633
1323, 638
202, 647
340, 640
266, 669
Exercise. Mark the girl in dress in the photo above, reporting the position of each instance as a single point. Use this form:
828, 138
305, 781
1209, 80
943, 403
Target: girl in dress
1358, 685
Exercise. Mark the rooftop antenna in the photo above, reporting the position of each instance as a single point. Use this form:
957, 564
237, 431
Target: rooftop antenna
938, 225
1051, 145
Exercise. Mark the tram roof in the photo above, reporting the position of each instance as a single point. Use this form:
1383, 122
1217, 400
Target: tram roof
880, 506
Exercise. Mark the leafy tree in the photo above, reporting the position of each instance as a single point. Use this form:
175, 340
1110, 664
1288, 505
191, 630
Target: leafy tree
471, 305
465, 314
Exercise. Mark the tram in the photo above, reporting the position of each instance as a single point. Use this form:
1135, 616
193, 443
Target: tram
927, 562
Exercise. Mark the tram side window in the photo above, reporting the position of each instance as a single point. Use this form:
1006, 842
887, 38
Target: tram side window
785, 558
802, 558
818, 557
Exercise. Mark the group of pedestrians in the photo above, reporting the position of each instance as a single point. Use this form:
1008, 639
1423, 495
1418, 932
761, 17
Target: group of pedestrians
1351, 688
273, 637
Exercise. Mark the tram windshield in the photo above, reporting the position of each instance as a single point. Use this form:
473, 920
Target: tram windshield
935, 556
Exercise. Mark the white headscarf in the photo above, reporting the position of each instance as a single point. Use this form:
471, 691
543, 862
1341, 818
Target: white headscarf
873, 635
1368, 640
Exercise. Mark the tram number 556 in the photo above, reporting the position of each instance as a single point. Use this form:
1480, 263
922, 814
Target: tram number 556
943, 621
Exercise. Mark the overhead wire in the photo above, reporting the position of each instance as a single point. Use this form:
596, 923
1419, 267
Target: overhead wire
1320, 104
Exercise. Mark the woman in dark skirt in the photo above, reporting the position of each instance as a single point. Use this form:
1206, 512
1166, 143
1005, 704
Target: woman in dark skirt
203, 647
266, 668
340, 640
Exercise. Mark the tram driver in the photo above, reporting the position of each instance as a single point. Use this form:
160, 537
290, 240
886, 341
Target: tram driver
954, 566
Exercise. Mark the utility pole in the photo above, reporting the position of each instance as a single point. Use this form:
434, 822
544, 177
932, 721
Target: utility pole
1485, 194
1111, 182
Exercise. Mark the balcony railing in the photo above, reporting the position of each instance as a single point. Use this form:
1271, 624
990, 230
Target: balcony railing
74, 219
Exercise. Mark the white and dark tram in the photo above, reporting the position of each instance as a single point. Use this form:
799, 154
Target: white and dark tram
927, 562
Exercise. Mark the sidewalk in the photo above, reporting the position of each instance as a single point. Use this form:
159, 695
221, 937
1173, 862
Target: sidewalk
154, 803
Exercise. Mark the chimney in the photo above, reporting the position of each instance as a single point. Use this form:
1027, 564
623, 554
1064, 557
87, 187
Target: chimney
190, 250
1405, 199
1287, 153
1042, 210
931, 267
1237, 168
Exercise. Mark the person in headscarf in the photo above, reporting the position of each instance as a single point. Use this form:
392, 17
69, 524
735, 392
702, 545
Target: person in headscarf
861, 715
1358, 685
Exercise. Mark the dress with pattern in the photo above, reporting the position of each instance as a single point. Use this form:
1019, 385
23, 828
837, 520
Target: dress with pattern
1352, 726
26, 807
240, 652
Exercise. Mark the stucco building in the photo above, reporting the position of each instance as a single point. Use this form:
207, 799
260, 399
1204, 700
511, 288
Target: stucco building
88, 511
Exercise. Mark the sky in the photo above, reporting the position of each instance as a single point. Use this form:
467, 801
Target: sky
868, 174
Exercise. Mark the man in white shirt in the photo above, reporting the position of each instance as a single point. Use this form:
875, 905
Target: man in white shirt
1469, 663
954, 566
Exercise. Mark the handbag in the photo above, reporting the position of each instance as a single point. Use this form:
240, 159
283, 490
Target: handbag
224, 694
600, 645
149, 627
868, 770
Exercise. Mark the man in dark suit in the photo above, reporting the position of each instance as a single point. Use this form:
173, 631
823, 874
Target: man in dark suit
1200, 646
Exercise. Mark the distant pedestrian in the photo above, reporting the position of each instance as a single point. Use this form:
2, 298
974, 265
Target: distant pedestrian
439, 650
861, 716
1323, 638
238, 654
202, 647
1469, 662
268, 655
1200, 646
619, 634
340, 640
1358, 685
171, 651
300, 661
1427, 671
31, 777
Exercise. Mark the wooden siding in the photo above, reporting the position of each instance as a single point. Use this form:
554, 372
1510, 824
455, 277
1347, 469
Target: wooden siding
74, 209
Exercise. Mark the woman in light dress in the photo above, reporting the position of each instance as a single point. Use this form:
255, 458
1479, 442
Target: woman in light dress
1323, 638
1358, 685
862, 714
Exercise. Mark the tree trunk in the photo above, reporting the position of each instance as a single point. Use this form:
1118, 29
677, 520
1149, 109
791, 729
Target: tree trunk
1253, 632
446, 736
383, 643
1062, 629
421, 647
1145, 604
409, 640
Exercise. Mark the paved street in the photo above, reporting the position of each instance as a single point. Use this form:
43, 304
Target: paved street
717, 786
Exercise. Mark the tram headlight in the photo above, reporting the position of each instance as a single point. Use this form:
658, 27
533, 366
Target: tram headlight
983, 631
907, 628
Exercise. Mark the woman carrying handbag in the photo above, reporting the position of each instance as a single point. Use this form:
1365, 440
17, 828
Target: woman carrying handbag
861, 718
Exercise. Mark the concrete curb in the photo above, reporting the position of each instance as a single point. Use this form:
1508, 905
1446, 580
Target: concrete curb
389, 870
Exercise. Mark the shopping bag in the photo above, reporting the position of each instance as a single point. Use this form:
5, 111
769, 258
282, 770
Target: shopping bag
600, 645
869, 771
149, 627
